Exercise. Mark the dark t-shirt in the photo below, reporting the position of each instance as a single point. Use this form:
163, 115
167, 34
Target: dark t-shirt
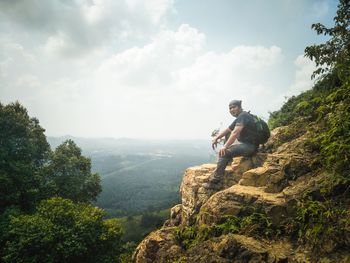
248, 133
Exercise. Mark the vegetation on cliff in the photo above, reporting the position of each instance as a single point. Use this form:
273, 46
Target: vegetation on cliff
255, 224
324, 111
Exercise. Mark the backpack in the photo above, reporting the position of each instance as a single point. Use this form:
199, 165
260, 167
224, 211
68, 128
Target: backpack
263, 131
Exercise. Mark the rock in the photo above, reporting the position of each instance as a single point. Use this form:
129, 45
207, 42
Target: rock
277, 171
258, 176
159, 246
298, 146
309, 182
175, 216
296, 166
269, 183
192, 192
284, 135
247, 249
242, 164
194, 195
238, 200
239, 249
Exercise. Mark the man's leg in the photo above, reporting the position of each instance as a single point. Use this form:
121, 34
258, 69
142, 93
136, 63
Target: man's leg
217, 175
242, 149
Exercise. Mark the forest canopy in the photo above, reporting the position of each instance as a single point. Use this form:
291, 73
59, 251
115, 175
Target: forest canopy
45, 195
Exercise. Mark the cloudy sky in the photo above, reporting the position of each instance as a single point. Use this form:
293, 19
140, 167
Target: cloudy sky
156, 68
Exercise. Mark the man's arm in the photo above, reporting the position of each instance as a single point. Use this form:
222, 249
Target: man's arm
219, 136
231, 139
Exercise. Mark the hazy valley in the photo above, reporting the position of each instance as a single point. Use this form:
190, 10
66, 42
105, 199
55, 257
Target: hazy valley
140, 177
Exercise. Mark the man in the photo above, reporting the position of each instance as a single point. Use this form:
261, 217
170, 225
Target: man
244, 130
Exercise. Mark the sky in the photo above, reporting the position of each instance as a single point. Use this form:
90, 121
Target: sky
155, 69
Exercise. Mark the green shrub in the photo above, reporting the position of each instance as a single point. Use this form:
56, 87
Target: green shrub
322, 223
256, 224
62, 231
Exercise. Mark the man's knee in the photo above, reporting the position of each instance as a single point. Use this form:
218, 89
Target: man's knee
241, 150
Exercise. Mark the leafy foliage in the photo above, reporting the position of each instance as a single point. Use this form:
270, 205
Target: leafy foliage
70, 174
321, 224
61, 231
30, 172
138, 226
256, 224
148, 220
326, 106
335, 53
23, 150
334, 134
304, 108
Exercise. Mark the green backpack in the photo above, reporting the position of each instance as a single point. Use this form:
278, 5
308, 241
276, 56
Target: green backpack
263, 131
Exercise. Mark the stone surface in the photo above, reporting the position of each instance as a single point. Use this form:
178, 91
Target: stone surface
193, 194
277, 171
240, 165
284, 135
223, 249
238, 200
159, 246
228, 248
269, 182
175, 216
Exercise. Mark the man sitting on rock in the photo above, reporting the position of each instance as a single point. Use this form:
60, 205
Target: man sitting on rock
243, 128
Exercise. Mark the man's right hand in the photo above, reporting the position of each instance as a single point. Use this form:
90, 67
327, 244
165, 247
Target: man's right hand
214, 143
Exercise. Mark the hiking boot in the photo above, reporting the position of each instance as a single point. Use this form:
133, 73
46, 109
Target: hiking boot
216, 186
213, 183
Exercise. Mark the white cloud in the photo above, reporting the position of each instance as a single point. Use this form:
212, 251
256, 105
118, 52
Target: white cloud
171, 87
172, 84
302, 81
153, 65
72, 27
61, 44
16, 68
119, 68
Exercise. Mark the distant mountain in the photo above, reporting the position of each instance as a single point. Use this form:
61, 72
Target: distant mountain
124, 146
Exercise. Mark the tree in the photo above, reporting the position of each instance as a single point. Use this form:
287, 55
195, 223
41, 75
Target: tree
23, 151
334, 54
62, 231
70, 174
151, 220
333, 61
30, 171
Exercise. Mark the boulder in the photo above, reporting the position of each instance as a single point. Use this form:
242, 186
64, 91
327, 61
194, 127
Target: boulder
175, 216
159, 246
239, 249
277, 171
240, 165
242, 200
194, 195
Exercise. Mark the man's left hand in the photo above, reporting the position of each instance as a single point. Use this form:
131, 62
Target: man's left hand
222, 151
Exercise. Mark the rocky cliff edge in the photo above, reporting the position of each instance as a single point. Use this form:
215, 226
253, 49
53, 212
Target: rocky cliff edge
265, 187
